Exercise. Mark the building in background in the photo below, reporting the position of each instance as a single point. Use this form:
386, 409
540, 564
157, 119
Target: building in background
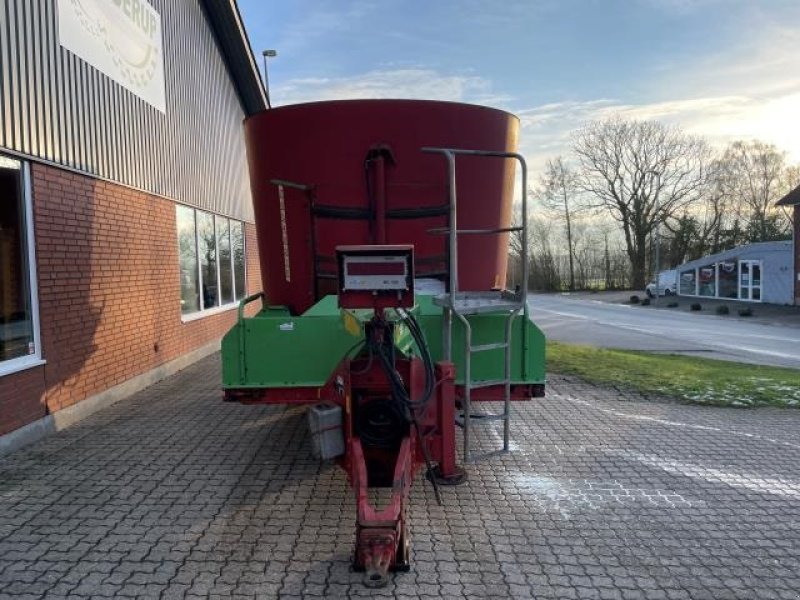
126, 233
791, 201
761, 272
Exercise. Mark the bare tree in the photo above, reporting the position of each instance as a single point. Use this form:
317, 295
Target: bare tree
545, 274
558, 186
699, 228
791, 181
754, 175
641, 172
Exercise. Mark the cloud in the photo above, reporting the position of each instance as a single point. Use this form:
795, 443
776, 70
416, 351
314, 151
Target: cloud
748, 92
419, 83
547, 129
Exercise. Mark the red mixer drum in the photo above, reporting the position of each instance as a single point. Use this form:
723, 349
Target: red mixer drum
352, 172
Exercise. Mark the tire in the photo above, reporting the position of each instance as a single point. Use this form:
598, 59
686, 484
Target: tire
667, 292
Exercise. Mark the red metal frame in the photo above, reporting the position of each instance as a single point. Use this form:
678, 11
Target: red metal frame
313, 395
382, 540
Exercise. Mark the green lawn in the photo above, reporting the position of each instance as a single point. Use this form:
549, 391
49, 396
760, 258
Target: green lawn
687, 378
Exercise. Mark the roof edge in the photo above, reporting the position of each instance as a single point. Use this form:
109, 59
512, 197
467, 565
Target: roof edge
790, 199
226, 22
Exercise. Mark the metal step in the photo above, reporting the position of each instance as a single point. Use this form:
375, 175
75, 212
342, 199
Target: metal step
476, 385
485, 347
473, 303
479, 419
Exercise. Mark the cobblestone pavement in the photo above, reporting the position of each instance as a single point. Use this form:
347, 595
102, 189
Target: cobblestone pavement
174, 494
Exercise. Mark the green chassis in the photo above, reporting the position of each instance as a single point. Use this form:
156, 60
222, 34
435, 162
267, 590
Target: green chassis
276, 350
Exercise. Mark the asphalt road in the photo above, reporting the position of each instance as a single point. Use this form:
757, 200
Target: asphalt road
586, 321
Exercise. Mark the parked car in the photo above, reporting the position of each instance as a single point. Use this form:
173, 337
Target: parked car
667, 284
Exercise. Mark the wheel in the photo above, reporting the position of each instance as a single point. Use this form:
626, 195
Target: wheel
668, 292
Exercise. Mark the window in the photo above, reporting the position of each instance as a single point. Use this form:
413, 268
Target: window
237, 241
727, 279
707, 281
212, 260
225, 263
207, 253
688, 283
750, 280
19, 327
187, 251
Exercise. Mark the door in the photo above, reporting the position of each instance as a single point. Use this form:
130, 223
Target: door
750, 280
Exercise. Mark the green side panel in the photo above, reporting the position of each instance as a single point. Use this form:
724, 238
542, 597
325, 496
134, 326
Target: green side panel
278, 350
275, 350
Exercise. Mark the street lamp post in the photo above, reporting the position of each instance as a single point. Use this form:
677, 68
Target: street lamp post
268, 54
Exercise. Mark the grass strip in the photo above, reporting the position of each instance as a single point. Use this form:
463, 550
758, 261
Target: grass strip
686, 378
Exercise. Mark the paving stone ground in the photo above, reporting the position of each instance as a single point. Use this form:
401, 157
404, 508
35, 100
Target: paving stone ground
175, 494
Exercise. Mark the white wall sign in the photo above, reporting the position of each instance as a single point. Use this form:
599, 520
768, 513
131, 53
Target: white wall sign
121, 38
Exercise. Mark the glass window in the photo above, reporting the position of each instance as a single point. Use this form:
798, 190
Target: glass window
237, 241
207, 253
212, 260
727, 279
688, 282
187, 254
16, 315
744, 280
707, 281
756, 273
225, 266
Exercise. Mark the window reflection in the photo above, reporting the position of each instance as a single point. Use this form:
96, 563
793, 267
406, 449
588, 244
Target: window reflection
225, 267
688, 282
187, 254
16, 317
237, 241
207, 253
707, 281
727, 279
212, 260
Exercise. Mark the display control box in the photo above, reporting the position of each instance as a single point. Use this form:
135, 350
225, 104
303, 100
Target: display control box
376, 276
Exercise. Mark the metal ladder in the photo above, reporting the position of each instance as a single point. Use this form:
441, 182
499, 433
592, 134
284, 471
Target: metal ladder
462, 304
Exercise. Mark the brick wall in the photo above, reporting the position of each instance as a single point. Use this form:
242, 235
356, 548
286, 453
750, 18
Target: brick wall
109, 296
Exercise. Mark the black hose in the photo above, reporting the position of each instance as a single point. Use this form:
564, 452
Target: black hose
400, 393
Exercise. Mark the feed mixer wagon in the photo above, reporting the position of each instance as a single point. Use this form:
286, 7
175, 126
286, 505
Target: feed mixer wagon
383, 231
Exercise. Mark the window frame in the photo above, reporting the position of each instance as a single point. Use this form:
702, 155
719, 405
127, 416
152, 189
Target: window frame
220, 308
29, 361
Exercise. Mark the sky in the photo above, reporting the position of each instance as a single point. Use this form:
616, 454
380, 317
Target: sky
724, 69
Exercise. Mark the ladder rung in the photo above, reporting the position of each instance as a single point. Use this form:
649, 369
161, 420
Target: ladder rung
479, 419
476, 385
485, 347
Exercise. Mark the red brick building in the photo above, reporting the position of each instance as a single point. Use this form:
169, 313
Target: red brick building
792, 199
126, 235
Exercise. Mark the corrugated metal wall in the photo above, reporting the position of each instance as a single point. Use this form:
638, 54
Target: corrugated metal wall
56, 107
